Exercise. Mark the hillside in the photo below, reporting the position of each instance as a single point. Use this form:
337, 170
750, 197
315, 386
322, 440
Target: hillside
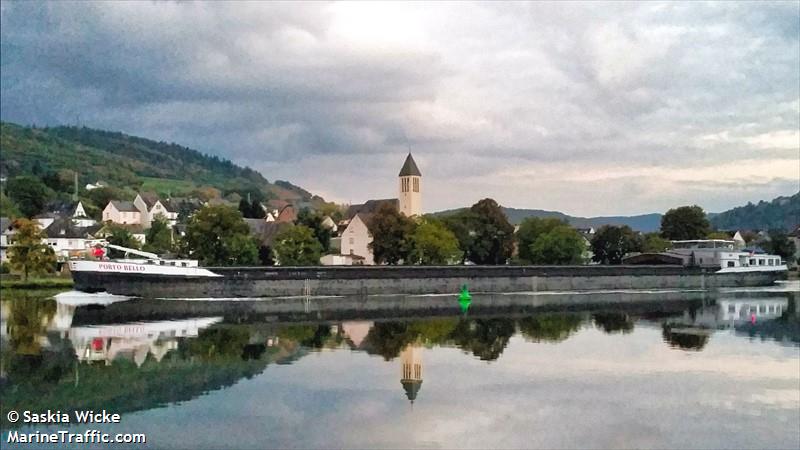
780, 213
133, 163
645, 223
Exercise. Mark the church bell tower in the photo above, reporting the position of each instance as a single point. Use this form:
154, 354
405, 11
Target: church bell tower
410, 197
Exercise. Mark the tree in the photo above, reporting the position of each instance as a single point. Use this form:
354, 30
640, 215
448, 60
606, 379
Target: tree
7, 207
29, 194
654, 243
780, 244
718, 235
314, 221
433, 244
461, 224
217, 235
686, 222
119, 235
391, 235
159, 237
265, 256
611, 243
251, 210
29, 253
297, 246
561, 245
530, 229
493, 235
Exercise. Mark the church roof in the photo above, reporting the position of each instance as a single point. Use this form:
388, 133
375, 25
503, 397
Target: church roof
370, 207
412, 388
410, 168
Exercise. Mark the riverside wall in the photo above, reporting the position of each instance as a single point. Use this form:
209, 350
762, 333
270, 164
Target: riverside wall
376, 281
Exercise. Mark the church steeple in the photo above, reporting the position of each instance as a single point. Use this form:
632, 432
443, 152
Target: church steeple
410, 168
411, 368
410, 197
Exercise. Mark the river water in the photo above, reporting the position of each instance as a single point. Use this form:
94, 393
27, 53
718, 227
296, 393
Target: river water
600, 370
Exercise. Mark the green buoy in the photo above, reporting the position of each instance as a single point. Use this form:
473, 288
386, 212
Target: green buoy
464, 299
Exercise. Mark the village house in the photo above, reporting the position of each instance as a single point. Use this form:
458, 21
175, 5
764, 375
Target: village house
355, 238
143, 210
69, 240
75, 211
122, 212
6, 231
151, 207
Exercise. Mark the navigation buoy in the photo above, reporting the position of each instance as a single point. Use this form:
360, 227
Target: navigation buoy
464, 299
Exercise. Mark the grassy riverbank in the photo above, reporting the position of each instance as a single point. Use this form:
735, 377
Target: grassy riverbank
36, 283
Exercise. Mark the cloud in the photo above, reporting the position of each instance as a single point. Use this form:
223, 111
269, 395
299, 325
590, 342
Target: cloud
331, 95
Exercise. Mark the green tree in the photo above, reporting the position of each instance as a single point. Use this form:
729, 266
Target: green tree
493, 235
391, 235
30, 194
530, 229
686, 222
718, 235
120, 235
7, 207
561, 245
29, 254
297, 246
611, 322
780, 244
313, 221
432, 243
461, 224
251, 210
654, 243
217, 235
611, 243
159, 237
550, 327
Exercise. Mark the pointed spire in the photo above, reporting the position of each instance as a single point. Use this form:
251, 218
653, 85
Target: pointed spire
410, 168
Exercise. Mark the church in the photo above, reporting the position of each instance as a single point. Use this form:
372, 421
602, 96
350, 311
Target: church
355, 239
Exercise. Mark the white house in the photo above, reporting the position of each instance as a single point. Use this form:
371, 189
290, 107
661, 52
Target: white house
97, 185
6, 231
80, 218
69, 240
141, 211
152, 207
122, 212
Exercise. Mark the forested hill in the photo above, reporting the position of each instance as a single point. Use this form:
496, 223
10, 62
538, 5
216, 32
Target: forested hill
644, 223
132, 163
781, 213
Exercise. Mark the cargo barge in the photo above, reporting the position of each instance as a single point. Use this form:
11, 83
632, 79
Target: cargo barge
153, 277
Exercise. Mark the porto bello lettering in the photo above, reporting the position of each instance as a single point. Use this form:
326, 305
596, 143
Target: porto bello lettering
122, 267
76, 417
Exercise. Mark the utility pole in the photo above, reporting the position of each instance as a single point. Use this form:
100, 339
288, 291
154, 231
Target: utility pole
75, 195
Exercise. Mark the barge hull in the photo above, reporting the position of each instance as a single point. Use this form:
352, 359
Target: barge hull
362, 281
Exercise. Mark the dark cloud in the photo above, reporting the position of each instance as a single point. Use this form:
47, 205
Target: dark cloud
332, 95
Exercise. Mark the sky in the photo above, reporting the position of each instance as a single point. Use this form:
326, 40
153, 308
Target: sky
586, 108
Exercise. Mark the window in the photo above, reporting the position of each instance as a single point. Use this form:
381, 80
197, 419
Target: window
771, 262
762, 308
731, 309
752, 262
731, 264
760, 262
352, 241
416, 184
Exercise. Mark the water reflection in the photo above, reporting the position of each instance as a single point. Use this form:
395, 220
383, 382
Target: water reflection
70, 353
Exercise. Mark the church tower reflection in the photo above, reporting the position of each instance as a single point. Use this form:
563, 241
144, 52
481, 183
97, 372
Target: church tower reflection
411, 377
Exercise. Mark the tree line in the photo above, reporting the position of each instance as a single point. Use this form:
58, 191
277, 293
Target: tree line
218, 236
